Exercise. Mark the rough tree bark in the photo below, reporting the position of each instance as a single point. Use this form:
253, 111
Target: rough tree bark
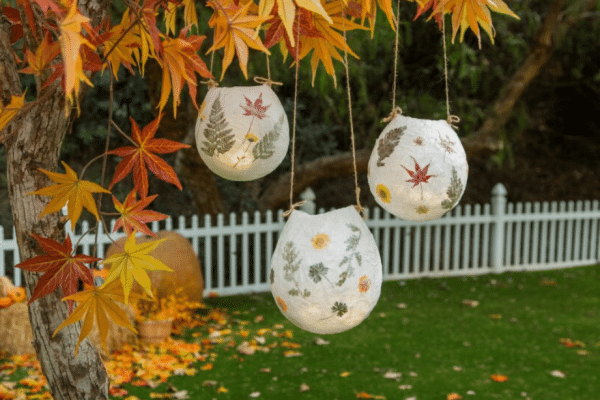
195, 175
554, 28
34, 139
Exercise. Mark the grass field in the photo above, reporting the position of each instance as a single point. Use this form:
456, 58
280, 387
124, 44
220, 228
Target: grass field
541, 330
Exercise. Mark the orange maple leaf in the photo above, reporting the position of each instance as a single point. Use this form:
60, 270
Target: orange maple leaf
499, 378
143, 155
60, 267
121, 45
71, 40
47, 51
180, 64
190, 17
7, 113
472, 14
70, 190
235, 32
425, 5
134, 217
99, 304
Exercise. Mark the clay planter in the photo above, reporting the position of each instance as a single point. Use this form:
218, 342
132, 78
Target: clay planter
155, 332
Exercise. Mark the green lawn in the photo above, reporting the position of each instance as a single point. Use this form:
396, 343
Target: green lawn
438, 345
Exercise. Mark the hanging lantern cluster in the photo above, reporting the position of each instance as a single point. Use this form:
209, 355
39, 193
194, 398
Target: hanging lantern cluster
326, 271
418, 169
242, 133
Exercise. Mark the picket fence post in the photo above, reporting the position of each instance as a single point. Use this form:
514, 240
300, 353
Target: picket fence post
498, 212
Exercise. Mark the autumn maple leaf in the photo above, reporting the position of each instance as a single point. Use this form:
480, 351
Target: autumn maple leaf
255, 109
70, 190
132, 264
134, 216
471, 14
426, 5
235, 32
7, 113
418, 176
120, 45
143, 156
47, 51
180, 63
99, 304
303, 21
60, 267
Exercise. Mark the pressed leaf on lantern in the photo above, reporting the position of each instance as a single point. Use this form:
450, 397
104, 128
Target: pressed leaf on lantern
99, 304
286, 10
7, 113
134, 216
60, 267
388, 144
180, 62
70, 190
235, 33
47, 51
472, 14
218, 135
71, 40
121, 45
454, 191
143, 156
132, 264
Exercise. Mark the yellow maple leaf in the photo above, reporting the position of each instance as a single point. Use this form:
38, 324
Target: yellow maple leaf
99, 304
7, 113
326, 44
170, 17
70, 190
71, 40
235, 32
472, 14
132, 264
222, 389
189, 13
121, 45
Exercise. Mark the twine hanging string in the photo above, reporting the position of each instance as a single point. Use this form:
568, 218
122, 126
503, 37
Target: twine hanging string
452, 120
358, 206
395, 110
267, 81
211, 82
293, 205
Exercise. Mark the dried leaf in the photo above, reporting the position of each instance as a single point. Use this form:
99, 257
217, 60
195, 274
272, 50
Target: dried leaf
134, 216
388, 143
7, 113
499, 378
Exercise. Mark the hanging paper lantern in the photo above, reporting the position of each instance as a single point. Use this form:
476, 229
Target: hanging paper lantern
326, 271
242, 133
418, 169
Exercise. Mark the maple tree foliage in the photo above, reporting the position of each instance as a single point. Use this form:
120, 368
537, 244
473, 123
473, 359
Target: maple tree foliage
70, 49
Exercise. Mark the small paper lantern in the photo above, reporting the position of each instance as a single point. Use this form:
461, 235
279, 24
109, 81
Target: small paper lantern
242, 133
418, 169
326, 271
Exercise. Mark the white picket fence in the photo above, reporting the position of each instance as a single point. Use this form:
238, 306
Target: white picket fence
235, 252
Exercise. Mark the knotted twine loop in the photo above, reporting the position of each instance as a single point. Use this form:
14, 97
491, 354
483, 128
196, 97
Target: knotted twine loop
293, 207
266, 81
211, 83
453, 120
359, 208
395, 111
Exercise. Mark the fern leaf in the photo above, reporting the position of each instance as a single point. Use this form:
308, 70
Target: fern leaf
265, 147
218, 137
388, 144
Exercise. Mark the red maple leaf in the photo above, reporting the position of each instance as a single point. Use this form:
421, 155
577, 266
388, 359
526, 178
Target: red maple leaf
142, 156
424, 5
133, 215
255, 109
419, 175
60, 268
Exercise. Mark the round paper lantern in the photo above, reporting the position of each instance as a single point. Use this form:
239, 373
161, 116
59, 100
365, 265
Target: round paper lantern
326, 271
418, 169
242, 133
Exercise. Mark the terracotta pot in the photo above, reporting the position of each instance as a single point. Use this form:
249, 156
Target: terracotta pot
155, 332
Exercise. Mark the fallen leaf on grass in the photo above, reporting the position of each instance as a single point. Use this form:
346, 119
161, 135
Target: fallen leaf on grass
583, 352
499, 378
558, 374
570, 343
548, 282
209, 383
457, 368
345, 374
405, 387
321, 342
495, 316
304, 387
206, 367
365, 395
291, 353
454, 396
255, 394
393, 375
401, 305
246, 348
267, 370
221, 389
470, 303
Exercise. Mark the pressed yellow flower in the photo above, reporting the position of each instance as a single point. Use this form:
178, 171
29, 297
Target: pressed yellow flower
281, 304
422, 210
201, 112
364, 284
320, 241
251, 137
383, 193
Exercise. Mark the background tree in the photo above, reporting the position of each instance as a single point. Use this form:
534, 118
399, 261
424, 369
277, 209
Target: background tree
53, 49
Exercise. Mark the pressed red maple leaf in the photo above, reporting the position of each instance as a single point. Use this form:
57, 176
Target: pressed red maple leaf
142, 157
60, 267
134, 216
255, 109
418, 176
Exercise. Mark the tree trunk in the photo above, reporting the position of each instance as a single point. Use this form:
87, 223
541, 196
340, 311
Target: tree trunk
555, 26
194, 173
34, 139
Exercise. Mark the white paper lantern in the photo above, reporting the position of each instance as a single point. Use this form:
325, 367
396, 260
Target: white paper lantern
242, 133
418, 169
326, 271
